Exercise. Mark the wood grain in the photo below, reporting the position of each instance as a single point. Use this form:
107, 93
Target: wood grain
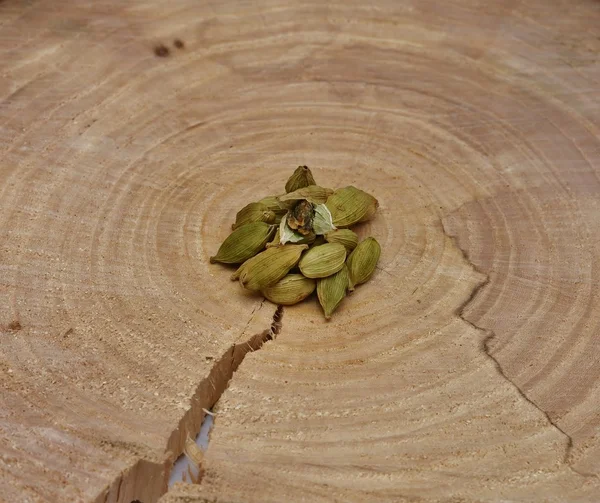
467, 369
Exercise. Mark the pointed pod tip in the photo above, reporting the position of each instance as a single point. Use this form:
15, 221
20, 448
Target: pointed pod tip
212, 260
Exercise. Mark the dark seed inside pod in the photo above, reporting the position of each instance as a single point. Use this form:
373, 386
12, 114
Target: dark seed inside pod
301, 217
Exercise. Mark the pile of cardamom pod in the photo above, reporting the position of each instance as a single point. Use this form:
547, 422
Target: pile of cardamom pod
292, 244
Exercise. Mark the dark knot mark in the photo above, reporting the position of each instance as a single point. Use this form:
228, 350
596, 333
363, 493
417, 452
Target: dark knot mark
162, 51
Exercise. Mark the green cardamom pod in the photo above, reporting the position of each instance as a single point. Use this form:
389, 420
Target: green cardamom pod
350, 205
269, 266
243, 243
253, 212
322, 261
272, 204
362, 261
275, 241
302, 177
319, 241
332, 290
308, 239
290, 290
345, 237
313, 194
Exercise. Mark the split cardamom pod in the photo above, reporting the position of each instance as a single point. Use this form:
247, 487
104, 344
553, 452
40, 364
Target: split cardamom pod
332, 290
300, 218
290, 290
302, 177
322, 223
243, 243
345, 237
268, 267
288, 235
350, 205
362, 261
253, 212
322, 261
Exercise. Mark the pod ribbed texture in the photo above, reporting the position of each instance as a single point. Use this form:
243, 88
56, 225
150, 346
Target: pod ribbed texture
332, 290
362, 261
322, 261
253, 212
344, 237
243, 243
302, 177
269, 266
290, 290
272, 204
350, 205
313, 194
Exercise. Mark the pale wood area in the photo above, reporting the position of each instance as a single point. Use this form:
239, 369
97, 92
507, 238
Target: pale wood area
467, 369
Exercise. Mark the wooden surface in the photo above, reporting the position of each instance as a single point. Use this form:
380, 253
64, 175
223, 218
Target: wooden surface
466, 370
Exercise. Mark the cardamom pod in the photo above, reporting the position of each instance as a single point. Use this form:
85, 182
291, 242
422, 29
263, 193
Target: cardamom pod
302, 177
272, 204
269, 266
319, 241
312, 193
243, 243
345, 237
290, 290
332, 290
253, 212
362, 261
350, 205
275, 240
322, 261
308, 239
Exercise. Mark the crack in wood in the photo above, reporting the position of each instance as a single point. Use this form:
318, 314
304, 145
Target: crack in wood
485, 348
127, 486
569, 440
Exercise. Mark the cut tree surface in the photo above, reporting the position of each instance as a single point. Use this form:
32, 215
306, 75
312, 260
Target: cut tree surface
467, 369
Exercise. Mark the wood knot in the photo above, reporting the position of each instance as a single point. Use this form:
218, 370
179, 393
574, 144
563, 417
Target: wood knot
15, 326
162, 51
